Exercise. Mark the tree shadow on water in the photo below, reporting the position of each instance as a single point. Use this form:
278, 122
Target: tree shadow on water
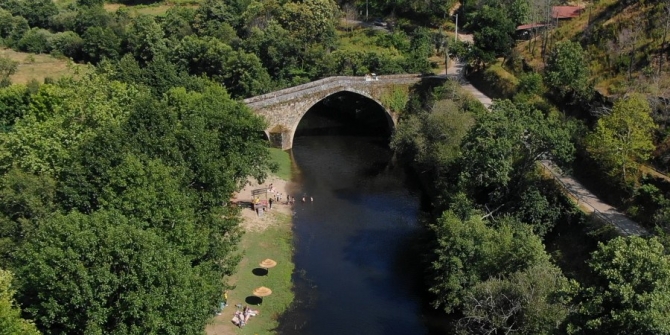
260, 272
253, 300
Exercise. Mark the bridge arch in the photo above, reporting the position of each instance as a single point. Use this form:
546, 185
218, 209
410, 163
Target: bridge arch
390, 118
284, 109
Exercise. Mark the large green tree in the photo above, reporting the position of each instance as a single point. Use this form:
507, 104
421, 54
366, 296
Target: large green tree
629, 290
566, 72
100, 274
470, 251
623, 138
529, 302
11, 322
494, 37
503, 147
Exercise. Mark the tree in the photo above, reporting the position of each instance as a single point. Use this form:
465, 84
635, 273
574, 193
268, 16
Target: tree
623, 138
146, 39
7, 68
100, 43
35, 41
14, 102
629, 292
11, 322
495, 36
100, 274
433, 139
25, 200
38, 12
69, 44
503, 147
6, 23
470, 251
311, 22
529, 302
566, 72
43, 140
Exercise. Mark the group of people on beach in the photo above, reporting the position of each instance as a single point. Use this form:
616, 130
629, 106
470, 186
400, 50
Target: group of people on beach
240, 318
290, 200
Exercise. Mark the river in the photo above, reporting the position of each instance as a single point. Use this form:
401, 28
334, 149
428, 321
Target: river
355, 244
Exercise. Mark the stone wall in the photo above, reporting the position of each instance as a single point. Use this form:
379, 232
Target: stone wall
285, 108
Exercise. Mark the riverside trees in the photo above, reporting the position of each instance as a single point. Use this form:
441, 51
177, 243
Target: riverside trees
111, 203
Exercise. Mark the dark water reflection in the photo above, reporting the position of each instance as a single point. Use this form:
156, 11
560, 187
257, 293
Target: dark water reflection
353, 245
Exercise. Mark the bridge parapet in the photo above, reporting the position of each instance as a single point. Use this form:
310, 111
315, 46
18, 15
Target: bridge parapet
329, 83
284, 109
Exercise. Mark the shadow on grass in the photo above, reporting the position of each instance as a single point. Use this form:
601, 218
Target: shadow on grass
260, 272
253, 300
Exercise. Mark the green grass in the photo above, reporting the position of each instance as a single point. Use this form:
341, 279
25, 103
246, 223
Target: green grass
276, 243
283, 159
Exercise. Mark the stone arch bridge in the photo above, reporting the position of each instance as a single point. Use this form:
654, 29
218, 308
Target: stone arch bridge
284, 109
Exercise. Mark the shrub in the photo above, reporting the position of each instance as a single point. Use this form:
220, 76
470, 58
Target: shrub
68, 44
35, 40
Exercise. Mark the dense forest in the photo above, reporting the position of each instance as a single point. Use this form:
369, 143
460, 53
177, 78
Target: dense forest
114, 182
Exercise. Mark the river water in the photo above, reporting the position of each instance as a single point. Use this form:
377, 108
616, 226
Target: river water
355, 243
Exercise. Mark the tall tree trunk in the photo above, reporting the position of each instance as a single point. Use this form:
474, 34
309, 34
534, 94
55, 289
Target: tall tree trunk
665, 35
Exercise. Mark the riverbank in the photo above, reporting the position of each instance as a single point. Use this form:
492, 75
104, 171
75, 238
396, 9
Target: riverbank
267, 236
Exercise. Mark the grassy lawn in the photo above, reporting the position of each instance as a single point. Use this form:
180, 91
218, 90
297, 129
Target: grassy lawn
284, 160
38, 67
276, 243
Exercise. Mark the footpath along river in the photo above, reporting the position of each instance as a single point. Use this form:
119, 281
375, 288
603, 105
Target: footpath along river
355, 244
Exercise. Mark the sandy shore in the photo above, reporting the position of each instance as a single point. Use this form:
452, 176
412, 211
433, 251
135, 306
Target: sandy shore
250, 220
251, 223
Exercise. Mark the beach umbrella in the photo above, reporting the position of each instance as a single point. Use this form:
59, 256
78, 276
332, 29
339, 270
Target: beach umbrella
262, 292
267, 264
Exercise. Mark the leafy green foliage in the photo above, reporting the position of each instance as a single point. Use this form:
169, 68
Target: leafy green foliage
566, 74
495, 34
11, 322
628, 294
502, 148
470, 251
433, 139
7, 68
99, 273
623, 138
529, 302
14, 101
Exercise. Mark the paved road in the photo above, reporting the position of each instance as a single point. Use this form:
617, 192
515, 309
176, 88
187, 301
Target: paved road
590, 202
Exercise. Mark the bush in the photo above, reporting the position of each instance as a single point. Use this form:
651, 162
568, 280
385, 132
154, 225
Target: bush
67, 44
35, 40
531, 83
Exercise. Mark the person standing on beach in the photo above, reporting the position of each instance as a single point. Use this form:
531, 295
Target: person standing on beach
270, 202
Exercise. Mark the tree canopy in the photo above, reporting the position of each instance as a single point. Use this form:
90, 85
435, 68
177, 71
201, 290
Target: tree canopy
623, 138
629, 291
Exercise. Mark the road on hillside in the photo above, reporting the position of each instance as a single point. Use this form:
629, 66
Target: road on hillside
623, 225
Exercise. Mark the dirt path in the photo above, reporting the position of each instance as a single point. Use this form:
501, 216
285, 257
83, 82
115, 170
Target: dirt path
593, 204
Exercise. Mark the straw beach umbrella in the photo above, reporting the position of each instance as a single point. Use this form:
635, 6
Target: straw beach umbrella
267, 264
262, 292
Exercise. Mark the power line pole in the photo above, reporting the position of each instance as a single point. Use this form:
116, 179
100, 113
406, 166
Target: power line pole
456, 36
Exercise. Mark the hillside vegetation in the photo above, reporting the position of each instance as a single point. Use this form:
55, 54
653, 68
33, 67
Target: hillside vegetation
624, 41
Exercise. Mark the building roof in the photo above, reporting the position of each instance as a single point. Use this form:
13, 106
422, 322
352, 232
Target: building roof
530, 26
565, 12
